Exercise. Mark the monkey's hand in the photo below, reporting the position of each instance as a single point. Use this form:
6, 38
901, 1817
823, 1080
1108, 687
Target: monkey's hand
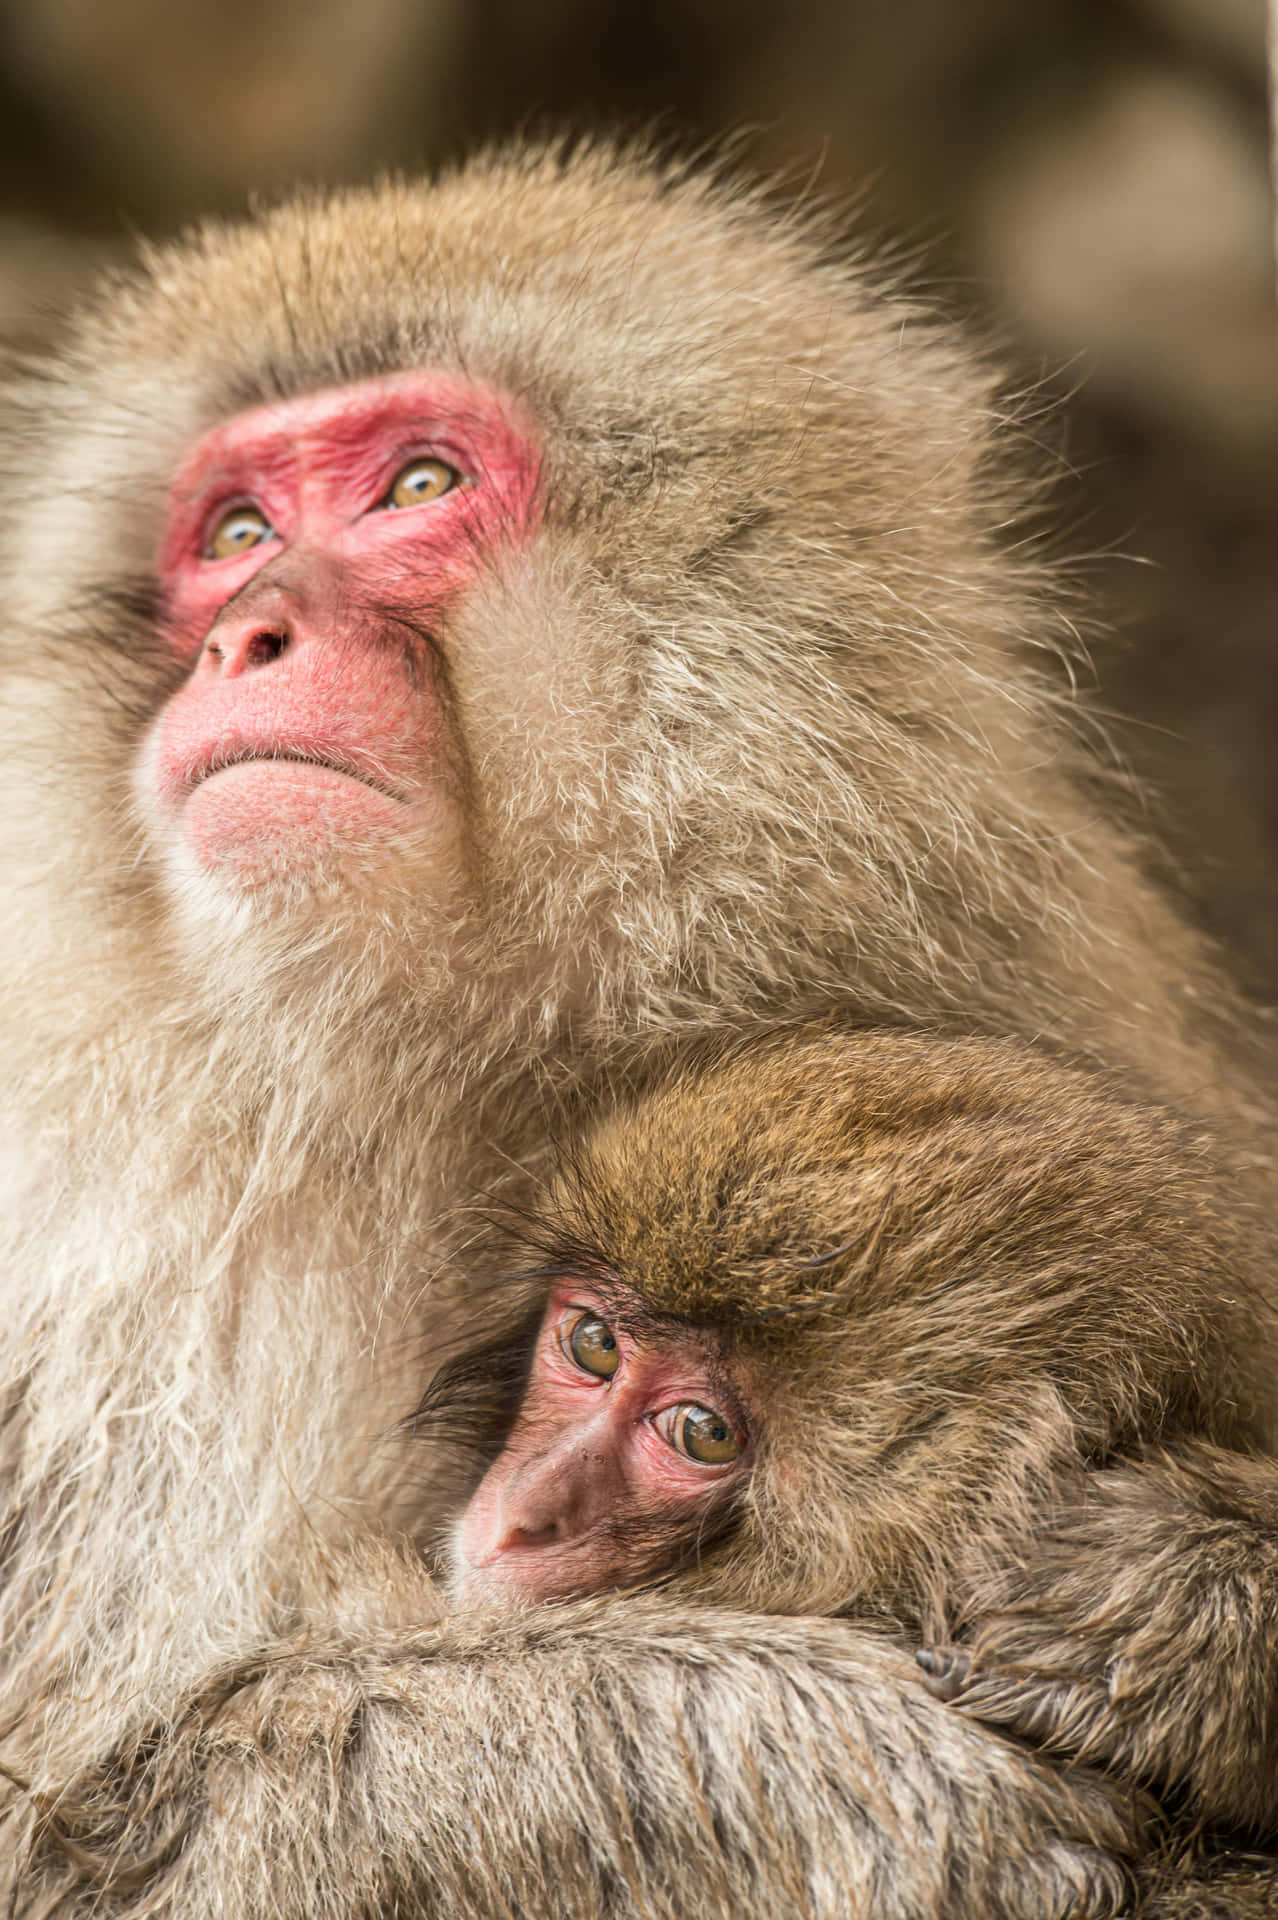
1139, 1630
609, 1757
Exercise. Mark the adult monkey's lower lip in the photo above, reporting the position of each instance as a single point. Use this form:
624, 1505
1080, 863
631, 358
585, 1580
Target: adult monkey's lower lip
257, 815
322, 763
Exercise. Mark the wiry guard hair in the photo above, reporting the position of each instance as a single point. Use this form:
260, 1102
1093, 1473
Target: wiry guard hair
761, 722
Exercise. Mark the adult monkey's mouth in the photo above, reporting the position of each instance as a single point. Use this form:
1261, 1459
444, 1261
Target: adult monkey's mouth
226, 759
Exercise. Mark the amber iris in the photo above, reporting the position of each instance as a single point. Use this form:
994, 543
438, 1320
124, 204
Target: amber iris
242, 527
421, 480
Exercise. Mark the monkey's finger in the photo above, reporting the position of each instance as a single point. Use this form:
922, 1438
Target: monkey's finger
945, 1670
1069, 1883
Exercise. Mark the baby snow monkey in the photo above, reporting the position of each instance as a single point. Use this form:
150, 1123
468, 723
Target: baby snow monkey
939, 1333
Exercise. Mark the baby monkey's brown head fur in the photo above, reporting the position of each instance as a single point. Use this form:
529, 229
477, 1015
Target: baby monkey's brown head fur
916, 1277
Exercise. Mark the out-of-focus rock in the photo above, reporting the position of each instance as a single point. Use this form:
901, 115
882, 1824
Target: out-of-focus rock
192, 103
1235, 27
1136, 239
41, 271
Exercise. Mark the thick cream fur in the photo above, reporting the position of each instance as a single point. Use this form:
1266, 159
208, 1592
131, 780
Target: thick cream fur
757, 726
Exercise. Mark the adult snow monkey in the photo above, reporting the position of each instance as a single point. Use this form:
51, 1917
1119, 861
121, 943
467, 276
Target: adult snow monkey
457, 639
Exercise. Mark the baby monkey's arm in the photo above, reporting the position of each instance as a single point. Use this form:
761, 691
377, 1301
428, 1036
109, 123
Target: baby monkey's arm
1139, 1630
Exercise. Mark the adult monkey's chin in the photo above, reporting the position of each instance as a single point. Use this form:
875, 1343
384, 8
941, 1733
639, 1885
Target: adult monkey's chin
264, 820
281, 875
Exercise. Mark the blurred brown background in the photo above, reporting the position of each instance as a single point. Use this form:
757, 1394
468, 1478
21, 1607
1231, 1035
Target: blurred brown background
1089, 175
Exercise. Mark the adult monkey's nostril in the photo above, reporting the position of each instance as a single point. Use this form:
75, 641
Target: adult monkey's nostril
263, 648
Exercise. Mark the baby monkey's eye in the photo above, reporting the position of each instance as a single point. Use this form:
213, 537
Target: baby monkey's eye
421, 480
592, 1345
702, 1434
239, 529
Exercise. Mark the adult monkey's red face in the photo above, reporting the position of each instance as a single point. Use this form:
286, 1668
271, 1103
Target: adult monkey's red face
310, 553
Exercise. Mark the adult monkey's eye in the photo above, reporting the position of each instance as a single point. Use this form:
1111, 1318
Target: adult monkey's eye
703, 1435
243, 527
592, 1344
421, 480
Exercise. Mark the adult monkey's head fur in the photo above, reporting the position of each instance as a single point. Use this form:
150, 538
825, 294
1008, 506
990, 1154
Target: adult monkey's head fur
736, 706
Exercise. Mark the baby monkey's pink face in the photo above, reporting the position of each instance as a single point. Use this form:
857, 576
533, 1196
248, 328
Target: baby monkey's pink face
624, 1446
